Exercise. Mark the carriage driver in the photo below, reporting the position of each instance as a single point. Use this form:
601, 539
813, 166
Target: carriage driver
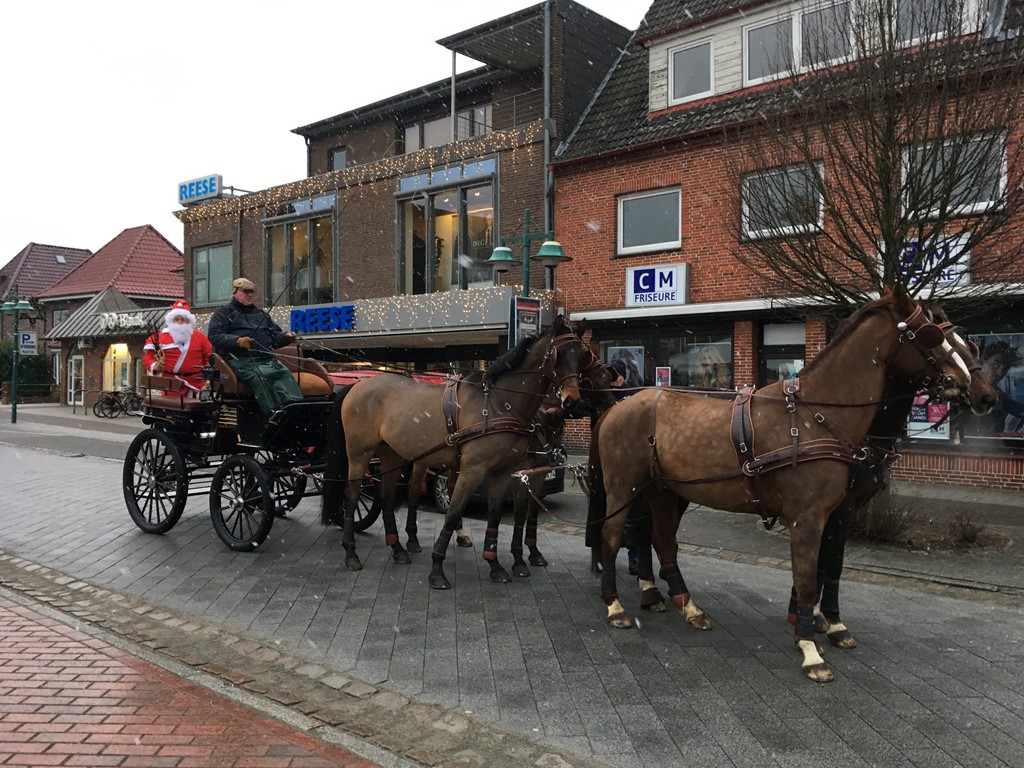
179, 350
245, 335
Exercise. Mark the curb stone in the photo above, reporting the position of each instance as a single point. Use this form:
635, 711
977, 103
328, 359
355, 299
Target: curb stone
423, 733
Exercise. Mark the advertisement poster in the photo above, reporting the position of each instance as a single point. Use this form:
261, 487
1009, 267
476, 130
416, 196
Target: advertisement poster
633, 357
525, 318
663, 376
928, 420
1002, 360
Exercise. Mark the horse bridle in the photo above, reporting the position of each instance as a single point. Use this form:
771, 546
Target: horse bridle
929, 338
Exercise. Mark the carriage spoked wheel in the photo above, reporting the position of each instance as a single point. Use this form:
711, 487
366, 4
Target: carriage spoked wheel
241, 503
368, 507
155, 481
288, 488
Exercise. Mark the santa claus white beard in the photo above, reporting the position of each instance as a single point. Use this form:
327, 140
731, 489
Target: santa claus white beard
180, 332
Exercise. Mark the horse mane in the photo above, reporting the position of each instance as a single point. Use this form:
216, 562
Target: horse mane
510, 360
846, 327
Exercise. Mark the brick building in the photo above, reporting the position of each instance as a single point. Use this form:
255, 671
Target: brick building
406, 198
657, 220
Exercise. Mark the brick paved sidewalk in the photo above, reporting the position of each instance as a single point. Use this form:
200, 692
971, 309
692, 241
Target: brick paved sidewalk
69, 699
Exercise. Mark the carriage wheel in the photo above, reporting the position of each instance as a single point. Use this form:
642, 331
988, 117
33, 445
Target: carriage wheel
241, 503
155, 481
439, 492
368, 507
288, 492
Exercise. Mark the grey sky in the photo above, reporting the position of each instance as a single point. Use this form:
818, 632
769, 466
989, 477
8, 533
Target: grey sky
109, 104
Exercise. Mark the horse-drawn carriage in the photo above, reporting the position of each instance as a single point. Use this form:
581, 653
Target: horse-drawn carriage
252, 467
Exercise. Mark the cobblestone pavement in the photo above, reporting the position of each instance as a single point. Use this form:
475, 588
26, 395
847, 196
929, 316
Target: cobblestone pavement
527, 672
68, 698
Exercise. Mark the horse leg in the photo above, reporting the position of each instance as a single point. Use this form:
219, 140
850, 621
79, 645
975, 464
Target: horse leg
348, 529
665, 510
650, 598
611, 539
498, 485
413, 501
520, 504
804, 542
460, 497
830, 571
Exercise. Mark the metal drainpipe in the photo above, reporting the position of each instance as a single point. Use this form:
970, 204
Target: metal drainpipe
453, 97
547, 115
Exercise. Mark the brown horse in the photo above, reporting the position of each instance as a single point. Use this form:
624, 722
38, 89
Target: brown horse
784, 451
479, 425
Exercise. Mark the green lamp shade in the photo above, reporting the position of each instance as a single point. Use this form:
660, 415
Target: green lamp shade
551, 254
501, 259
23, 306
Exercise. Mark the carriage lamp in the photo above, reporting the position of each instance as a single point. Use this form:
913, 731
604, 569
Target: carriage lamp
17, 305
502, 261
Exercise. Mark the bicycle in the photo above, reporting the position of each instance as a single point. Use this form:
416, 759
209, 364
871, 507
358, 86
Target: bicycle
111, 404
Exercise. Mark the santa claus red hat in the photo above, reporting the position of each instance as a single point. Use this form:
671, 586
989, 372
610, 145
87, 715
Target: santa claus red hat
180, 308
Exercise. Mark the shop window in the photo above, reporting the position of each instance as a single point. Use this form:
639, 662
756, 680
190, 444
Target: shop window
960, 176
1002, 360
117, 367
782, 201
783, 351
649, 221
690, 73
446, 239
676, 356
212, 273
300, 261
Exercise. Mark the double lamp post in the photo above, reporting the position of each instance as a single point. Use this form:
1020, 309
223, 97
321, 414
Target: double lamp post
16, 304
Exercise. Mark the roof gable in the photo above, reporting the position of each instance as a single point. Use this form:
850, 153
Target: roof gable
38, 267
139, 261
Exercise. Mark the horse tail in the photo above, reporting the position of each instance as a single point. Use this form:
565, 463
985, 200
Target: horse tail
336, 469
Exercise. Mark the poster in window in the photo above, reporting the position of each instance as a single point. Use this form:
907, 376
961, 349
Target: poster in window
633, 357
663, 376
1002, 360
928, 420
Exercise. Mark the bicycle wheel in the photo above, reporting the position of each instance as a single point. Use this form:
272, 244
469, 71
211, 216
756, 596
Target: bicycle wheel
133, 403
97, 410
110, 407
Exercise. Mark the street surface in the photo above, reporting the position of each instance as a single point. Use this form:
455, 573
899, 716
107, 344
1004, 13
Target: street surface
938, 679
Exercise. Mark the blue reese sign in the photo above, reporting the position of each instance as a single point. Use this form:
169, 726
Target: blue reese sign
323, 319
194, 190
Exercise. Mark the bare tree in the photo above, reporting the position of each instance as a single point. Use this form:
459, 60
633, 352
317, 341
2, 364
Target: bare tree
888, 150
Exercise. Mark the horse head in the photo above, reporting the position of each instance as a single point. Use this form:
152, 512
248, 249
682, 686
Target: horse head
567, 356
981, 395
924, 352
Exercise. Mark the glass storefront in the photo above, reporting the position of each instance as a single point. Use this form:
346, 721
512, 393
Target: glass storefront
300, 255
116, 367
694, 355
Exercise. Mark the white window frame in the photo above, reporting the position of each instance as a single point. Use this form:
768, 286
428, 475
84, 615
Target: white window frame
666, 245
672, 69
795, 20
968, 209
778, 231
969, 8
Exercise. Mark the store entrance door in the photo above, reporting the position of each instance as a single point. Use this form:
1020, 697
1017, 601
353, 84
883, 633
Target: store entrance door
76, 380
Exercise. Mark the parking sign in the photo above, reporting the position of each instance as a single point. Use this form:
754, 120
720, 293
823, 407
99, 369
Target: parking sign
27, 343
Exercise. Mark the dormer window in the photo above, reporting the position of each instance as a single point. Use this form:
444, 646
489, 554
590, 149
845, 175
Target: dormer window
690, 72
810, 39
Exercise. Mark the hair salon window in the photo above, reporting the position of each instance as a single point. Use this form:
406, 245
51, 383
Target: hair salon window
300, 253
212, 273
676, 354
649, 221
447, 228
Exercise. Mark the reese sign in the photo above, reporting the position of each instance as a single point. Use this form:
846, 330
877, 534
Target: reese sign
195, 190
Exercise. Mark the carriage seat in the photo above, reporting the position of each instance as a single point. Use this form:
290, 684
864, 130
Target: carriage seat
310, 374
167, 392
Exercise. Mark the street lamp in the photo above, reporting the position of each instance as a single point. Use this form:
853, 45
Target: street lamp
550, 254
17, 305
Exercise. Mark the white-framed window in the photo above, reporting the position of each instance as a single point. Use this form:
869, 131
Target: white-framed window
690, 72
958, 176
918, 20
649, 221
811, 38
782, 201
212, 273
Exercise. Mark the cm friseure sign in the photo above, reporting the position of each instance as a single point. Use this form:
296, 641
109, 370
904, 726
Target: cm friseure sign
658, 285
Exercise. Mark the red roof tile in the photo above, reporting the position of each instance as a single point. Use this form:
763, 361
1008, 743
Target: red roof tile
38, 267
138, 262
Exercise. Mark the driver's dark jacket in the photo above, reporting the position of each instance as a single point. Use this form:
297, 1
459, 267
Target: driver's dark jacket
235, 320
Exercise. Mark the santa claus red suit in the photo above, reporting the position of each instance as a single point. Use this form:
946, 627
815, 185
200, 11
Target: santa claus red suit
184, 349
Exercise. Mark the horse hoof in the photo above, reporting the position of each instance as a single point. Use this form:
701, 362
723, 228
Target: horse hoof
700, 621
463, 541
413, 546
438, 581
843, 639
520, 569
820, 623
651, 600
401, 557
819, 673
538, 560
500, 576
620, 621
352, 563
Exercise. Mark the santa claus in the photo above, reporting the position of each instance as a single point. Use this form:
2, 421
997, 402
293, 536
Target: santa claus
179, 350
